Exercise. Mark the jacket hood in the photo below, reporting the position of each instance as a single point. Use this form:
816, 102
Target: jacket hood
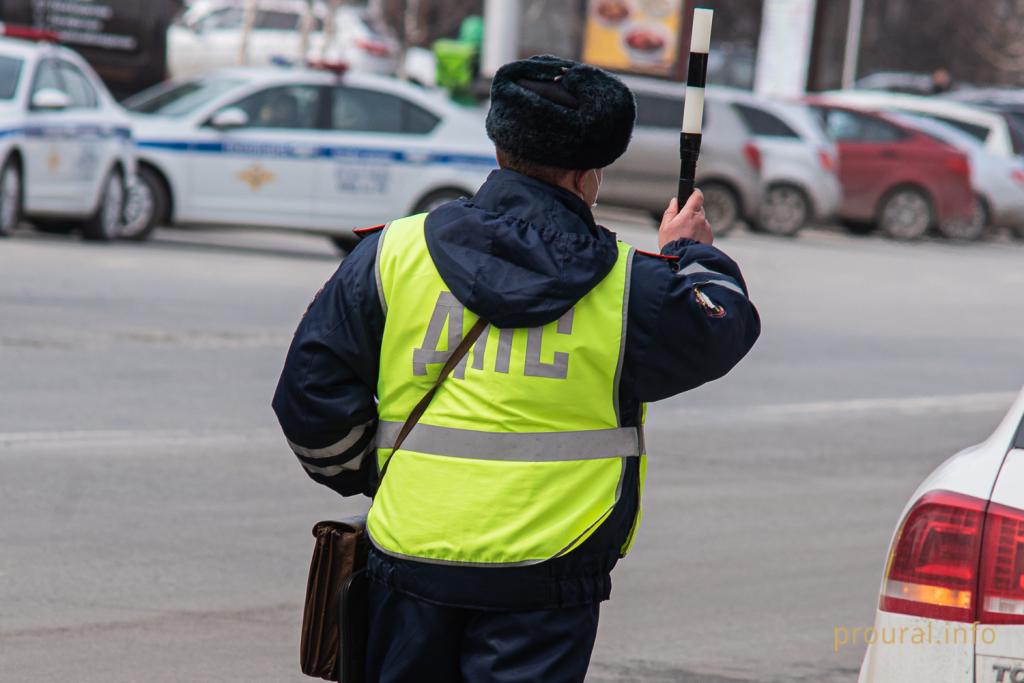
521, 252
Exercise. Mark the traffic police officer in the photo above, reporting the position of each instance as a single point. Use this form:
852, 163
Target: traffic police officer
500, 518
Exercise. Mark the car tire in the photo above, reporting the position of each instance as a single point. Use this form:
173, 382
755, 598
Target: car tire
10, 197
108, 220
784, 211
146, 206
905, 213
969, 230
721, 207
436, 199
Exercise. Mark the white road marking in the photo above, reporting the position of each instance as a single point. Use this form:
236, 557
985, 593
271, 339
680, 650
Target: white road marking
10, 442
907, 405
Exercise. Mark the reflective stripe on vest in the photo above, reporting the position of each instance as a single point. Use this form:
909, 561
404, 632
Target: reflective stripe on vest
520, 455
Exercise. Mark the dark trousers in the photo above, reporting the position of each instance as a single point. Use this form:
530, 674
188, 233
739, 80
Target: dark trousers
412, 641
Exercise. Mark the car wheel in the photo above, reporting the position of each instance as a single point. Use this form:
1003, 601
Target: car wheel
968, 229
10, 197
436, 199
905, 214
784, 211
146, 205
109, 219
721, 207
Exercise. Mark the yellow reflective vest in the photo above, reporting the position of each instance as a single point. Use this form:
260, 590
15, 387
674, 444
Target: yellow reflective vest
520, 456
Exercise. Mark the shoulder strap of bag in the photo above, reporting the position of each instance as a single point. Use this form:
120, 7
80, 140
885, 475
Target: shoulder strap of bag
460, 352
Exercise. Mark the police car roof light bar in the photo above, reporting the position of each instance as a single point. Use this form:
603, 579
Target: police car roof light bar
693, 106
27, 33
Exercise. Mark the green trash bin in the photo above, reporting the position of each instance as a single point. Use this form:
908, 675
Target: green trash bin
456, 66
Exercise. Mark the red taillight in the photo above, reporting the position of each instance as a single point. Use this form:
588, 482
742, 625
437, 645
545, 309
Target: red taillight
373, 47
1002, 567
958, 558
753, 156
932, 569
1018, 176
827, 163
27, 33
958, 164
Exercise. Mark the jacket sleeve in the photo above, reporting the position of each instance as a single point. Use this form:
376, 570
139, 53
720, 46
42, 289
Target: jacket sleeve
325, 397
690, 320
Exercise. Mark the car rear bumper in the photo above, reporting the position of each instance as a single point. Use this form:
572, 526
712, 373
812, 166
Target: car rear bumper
908, 649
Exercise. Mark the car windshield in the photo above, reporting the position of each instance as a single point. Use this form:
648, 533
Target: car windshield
10, 72
181, 99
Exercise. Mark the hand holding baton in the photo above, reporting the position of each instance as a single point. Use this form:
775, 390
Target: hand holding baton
693, 106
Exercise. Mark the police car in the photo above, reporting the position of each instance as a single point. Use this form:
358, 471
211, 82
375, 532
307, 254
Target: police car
66, 150
951, 604
315, 150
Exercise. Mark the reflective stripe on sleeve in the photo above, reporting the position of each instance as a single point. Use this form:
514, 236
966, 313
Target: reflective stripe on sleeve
524, 447
334, 470
728, 283
335, 449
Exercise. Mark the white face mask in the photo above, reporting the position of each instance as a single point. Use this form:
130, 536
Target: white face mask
594, 205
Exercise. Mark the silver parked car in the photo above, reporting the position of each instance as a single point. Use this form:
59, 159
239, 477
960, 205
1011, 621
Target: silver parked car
798, 162
729, 172
997, 180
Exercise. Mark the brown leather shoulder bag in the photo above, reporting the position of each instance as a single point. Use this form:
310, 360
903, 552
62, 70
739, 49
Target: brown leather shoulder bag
334, 622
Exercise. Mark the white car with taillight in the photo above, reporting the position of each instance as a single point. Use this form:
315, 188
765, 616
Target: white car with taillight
302, 149
66, 151
952, 598
798, 162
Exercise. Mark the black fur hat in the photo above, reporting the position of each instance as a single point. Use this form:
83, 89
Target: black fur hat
561, 113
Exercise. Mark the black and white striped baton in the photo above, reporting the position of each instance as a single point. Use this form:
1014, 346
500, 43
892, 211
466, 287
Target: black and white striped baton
693, 107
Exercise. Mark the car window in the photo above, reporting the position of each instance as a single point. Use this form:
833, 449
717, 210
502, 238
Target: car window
180, 99
10, 74
288, 106
358, 109
225, 18
974, 130
655, 111
761, 122
47, 77
77, 86
847, 126
276, 20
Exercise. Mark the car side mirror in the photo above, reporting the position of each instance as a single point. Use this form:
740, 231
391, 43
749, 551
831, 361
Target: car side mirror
50, 99
229, 118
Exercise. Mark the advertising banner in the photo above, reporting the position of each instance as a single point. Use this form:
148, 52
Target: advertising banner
633, 36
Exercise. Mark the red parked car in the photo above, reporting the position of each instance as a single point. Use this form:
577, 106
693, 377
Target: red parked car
894, 177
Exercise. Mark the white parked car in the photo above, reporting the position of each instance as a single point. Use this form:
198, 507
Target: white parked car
997, 180
209, 36
798, 162
992, 128
301, 149
66, 148
951, 608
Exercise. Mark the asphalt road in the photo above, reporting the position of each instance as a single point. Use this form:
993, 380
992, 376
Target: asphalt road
154, 526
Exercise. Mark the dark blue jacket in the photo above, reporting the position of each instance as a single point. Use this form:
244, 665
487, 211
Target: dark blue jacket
519, 253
